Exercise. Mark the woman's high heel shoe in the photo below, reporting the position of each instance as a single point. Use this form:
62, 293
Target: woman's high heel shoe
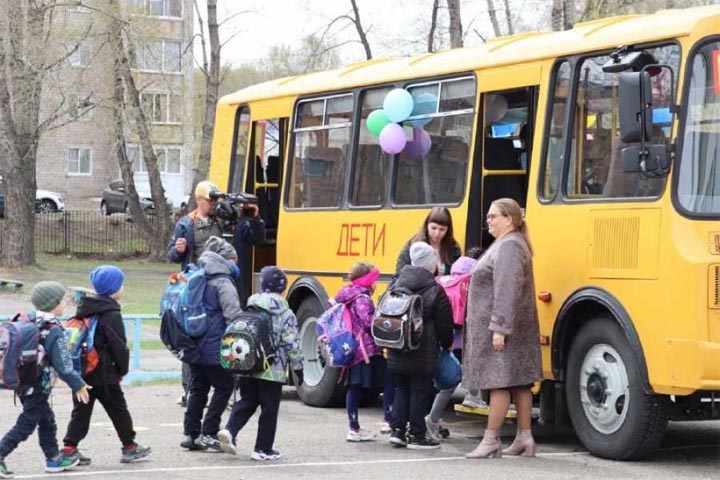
523, 445
490, 446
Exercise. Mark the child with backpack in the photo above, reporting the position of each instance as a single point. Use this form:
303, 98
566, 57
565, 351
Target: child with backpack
263, 388
414, 368
110, 344
34, 391
221, 305
367, 367
455, 286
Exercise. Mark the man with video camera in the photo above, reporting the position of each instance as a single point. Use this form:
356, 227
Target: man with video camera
210, 218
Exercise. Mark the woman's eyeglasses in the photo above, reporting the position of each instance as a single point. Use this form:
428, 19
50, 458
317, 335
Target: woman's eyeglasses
492, 216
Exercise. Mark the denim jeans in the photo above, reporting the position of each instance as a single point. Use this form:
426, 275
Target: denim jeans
256, 393
36, 413
413, 394
202, 378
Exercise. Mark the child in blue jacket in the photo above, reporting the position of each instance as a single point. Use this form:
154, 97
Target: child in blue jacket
49, 300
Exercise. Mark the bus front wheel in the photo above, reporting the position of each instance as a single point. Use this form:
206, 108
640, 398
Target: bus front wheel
320, 384
612, 414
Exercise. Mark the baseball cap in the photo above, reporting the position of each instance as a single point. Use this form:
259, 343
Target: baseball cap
204, 188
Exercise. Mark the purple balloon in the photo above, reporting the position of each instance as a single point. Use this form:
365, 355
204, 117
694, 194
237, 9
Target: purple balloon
420, 144
392, 138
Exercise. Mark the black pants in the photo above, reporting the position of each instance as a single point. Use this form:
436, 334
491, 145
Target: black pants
202, 378
36, 413
256, 393
413, 396
112, 398
185, 379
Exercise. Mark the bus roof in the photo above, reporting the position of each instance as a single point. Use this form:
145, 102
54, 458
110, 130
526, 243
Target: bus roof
523, 47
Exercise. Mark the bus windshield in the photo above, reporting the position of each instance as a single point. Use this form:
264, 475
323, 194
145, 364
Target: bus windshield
699, 175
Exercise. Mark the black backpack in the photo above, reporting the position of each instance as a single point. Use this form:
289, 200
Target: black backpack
176, 339
249, 345
398, 322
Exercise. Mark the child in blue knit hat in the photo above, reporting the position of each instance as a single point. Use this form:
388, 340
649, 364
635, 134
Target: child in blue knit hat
107, 281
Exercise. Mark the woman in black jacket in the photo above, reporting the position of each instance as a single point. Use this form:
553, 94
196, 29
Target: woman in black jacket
414, 370
436, 231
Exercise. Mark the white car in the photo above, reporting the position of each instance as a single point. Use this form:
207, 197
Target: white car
48, 202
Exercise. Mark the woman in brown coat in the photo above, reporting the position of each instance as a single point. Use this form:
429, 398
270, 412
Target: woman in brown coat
502, 343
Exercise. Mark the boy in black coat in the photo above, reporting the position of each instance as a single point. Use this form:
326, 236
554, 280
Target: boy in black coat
111, 346
414, 370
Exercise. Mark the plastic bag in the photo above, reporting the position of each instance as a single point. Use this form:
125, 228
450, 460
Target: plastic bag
448, 372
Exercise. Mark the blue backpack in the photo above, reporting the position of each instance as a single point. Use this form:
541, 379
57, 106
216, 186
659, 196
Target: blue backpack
335, 338
183, 316
20, 352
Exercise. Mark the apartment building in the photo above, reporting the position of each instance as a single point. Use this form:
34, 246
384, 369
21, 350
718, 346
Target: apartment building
78, 158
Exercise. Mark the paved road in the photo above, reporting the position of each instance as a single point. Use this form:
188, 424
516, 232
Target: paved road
313, 446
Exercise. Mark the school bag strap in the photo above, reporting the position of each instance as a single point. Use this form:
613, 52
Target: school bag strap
347, 318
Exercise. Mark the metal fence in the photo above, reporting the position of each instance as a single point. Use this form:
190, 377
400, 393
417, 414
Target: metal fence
84, 232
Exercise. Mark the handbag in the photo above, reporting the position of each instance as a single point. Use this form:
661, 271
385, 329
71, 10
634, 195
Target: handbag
448, 372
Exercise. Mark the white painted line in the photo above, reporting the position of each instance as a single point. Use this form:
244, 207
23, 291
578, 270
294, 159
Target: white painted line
133, 472
170, 425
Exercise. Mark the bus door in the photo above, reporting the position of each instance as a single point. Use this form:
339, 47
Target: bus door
504, 140
264, 177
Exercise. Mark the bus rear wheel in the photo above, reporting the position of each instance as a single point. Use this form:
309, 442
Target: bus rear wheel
612, 414
320, 383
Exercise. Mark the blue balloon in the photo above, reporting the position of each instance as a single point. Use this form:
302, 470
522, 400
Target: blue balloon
425, 103
398, 104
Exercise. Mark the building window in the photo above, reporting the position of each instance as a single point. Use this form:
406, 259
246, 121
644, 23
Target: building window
168, 157
157, 8
161, 107
79, 108
158, 56
79, 161
78, 55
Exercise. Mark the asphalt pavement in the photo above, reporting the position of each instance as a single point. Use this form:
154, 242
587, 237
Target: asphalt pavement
312, 443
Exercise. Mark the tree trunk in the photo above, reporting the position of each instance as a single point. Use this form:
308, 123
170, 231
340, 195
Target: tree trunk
456, 30
493, 18
156, 236
433, 27
212, 86
361, 32
21, 67
508, 18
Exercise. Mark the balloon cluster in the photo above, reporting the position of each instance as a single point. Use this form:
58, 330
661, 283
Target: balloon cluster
398, 106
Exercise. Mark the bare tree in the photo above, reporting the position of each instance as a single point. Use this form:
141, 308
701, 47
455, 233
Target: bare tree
456, 30
211, 74
433, 26
492, 13
126, 94
508, 17
362, 34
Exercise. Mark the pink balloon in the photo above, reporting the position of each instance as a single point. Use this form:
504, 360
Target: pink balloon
420, 144
392, 138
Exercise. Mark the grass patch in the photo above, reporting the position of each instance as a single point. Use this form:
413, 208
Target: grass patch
144, 283
147, 345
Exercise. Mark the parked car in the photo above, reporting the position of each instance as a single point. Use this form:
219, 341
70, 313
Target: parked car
115, 199
45, 201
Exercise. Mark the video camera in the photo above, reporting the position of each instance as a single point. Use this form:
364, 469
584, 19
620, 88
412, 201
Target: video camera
232, 207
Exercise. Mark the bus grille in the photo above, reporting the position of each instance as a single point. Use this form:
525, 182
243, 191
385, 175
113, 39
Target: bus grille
714, 286
616, 242
715, 243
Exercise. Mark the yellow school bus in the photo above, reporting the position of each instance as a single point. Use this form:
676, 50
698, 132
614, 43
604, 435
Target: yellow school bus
608, 135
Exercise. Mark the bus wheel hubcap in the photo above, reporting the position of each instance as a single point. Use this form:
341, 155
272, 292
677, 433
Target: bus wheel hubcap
604, 388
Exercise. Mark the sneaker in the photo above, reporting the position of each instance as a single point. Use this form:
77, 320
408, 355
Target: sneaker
474, 401
360, 435
209, 441
84, 461
385, 428
135, 453
4, 472
421, 443
260, 456
398, 438
192, 443
227, 444
433, 428
61, 463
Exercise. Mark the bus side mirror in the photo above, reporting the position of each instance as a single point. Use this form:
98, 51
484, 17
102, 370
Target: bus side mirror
635, 109
648, 159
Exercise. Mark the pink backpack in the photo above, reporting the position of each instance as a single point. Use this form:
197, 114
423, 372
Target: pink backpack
456, 288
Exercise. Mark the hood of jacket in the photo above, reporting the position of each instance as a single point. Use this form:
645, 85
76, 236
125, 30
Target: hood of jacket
89, 306
214, 264
414, 278
349, 292
270, 302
